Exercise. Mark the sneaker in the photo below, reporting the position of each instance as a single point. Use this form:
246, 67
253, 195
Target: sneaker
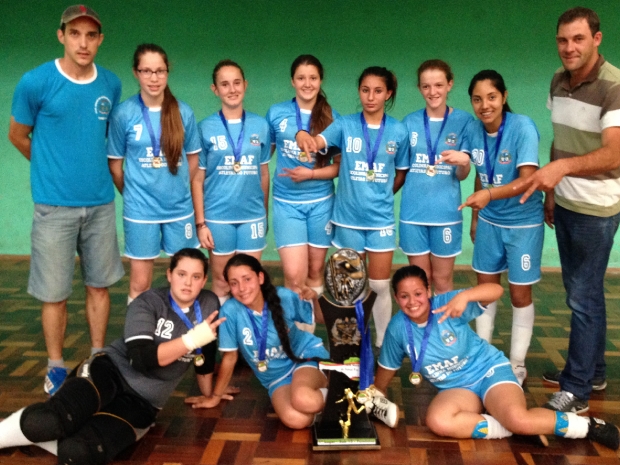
54, 379
520, 372
564, 401
384, 410
604, 433
553, 377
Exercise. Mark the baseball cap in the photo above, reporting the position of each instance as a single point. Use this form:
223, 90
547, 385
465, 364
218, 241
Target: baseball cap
77, 11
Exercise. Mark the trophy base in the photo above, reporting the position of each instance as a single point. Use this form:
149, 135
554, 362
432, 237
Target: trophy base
327, 436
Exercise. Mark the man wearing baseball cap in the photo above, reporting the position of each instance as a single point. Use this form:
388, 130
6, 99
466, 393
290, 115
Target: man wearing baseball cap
58, 122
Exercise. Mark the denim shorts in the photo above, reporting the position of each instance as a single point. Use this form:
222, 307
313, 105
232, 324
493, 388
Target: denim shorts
362, 240
57, 234
232, 238
145, 241
303, 223
441, 241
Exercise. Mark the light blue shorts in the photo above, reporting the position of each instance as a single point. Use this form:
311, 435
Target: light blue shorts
57, 233
441, 241
498, 374
288, 379
303, 223
144, 241
232, 238
362, 240
519, 250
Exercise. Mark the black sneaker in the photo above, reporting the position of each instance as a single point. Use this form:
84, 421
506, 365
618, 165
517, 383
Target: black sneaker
553, 377
564, 401
606, 434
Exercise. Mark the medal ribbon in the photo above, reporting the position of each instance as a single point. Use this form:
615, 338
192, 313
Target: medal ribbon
416, 363
431, 148
367, 361
236, 148
300, 126
149, 127
490, 165
371, 154
261, 338
183, 316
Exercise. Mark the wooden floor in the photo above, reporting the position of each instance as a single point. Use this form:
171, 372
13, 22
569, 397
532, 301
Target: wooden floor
246, 430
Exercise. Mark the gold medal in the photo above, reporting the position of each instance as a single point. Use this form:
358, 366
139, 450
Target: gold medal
415, 379
303, 157
237, 167
430, 171
262, 366
370, 175
156, 163
199, 360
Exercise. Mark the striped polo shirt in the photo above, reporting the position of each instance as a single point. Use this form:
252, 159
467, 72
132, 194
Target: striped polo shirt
579, 115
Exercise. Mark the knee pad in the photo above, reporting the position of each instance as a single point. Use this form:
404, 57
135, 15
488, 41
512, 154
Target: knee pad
41, 422
75, 450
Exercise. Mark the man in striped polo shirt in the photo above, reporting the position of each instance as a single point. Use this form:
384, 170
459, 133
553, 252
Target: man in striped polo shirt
584, 101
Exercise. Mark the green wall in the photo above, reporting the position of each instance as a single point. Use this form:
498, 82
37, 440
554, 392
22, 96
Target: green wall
264, 36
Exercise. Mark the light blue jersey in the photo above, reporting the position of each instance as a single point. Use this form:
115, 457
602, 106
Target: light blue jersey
151, 194
68, 165
237, 333
231, 197
519, 147
283, 127
432, 200
455, 357
362, 203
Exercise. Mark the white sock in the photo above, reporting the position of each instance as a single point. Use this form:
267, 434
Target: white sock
570, 425
129, 300
522, 327
50, 446
496, 430
11, 432
223, 299
60, 363
382, 308
485, 323
318, 289
324, 392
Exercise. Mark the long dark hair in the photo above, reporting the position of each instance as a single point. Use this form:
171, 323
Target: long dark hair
497, 81
409, 271
389, 78
321, 115
195, 254
172, 131
270, 295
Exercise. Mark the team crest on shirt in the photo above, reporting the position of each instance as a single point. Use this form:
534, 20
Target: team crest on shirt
254, 139
414, 139
283, 124
448, 337
451, 139
505, 157
390, 148
345, 332
103, 105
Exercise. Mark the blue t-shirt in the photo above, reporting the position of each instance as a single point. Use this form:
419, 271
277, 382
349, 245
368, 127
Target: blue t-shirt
68, 165
455, 355
362, 203
432, 200
151, 195
234, 197
237, 333
283, 127
519, 147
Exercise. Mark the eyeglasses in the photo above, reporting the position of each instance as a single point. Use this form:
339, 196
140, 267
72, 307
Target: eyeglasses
147, 73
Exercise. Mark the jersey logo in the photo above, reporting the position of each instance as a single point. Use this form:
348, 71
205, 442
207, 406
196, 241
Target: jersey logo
451, 139
103, 105
345, 332
448, 337
283, 124
390, 147
414, 139
254, 139
505, 157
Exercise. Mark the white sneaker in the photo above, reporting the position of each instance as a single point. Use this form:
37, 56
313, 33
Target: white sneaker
382, 409
520, 372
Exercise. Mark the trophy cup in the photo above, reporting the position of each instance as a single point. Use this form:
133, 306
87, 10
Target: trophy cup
344, 422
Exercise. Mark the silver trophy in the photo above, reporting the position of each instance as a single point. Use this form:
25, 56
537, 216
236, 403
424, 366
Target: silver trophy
346, 278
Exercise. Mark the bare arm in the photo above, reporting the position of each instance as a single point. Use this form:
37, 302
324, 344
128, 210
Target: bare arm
308, 143
605, 159
220, 391
383, 378
19, 136
483, 293
204, 233
301, 173
118, 175
399, 179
